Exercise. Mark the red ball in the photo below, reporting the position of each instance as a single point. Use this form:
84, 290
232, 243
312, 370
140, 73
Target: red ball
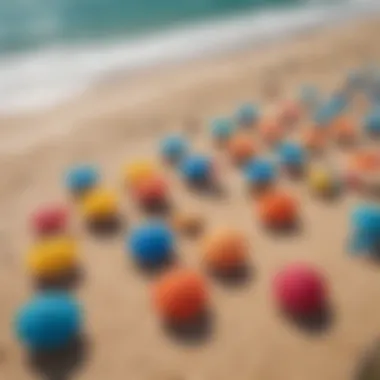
151, 191
50, 219
300, 290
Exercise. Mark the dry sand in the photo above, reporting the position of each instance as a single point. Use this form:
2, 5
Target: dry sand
122, 120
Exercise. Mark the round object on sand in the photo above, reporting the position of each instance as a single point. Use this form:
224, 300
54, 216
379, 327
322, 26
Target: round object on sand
152, 191
241, 148
173, 148
290, 112
225, 251
222, 129
278, 209
322, 181
314, 139
138, 171
247, 115
372, 122
52, 258
271, 131
364, 162
344, 130
292, 155
99, 205
197, 169
300, 290
49, 321
260, 172
49, 219
180, 296
151, 243
81, 178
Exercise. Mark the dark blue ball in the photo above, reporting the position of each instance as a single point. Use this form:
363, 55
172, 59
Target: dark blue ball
222, 128
372, 121
151, 243
292, 154
82, 177
197, 168
247, 114
260, 171
49, 321
174, 147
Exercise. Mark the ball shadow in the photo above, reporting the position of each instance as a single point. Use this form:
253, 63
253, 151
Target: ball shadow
209, 188
237, 277
154, 269
106, 227
196, 332
69, 281
289, 229
60, 364
162, 208
368, 367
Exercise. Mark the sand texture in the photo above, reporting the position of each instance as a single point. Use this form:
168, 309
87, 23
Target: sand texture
124, 119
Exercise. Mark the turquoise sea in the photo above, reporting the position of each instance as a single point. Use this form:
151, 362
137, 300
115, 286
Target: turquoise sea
50, 49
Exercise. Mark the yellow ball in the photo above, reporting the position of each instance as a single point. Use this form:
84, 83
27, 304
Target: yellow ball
99, 204
138, 171
52, 258
321, 180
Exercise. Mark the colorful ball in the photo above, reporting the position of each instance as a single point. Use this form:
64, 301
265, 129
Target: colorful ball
314, 139
174, 148
260, 172
290, 112
138, 171
222, 129
241, 148
247, 114
225, 251
50, 219
180, 296
52, 258
372, 122
322, 180
197, 169
99, 204
278, 209
151, 243
300, 290
81, 178
271, 131
364, 162
292, 155
152, 191
50, 321
344, 130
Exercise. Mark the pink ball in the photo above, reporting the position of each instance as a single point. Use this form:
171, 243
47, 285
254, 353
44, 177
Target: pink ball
300, 290
50, 219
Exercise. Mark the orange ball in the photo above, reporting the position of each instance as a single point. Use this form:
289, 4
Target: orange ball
241, 148
278, 209
151, 190
271, 131
364, 162
225, 250
343, 130
314, 139
180, 296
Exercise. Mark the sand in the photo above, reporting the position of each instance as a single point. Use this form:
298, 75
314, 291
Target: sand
123, 119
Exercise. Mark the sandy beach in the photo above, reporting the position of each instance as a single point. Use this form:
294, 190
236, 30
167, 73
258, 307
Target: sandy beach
124, 119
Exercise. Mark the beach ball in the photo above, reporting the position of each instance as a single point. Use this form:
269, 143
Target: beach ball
290, 112
322, 180
278, 209
180, 296
222, 129
138, 171
314, 139
50, 218
300, 290
152, 191
271, 131
344, 130
372, 122
151, 243
241, 148
197, 169
81, 178
52, 258
225, 250
173, 148
99, 204
309, 95
247, 114
260, 172
292, 155
49, 321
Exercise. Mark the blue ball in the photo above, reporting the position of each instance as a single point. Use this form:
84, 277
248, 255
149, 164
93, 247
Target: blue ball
174, 147
82, 177
372, 121
247, 114
222, 129
291, 154
49, 321
151, 243
309, 95
197, 169
260, 171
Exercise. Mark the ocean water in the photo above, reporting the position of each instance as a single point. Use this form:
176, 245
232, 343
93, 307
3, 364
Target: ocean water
51, 49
